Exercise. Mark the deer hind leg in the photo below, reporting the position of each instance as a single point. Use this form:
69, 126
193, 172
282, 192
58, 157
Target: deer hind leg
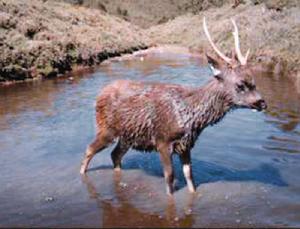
116, 155
101, 142
187, 170
165, 152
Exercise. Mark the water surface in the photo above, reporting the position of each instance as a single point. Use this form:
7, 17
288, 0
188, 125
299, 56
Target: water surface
246, 168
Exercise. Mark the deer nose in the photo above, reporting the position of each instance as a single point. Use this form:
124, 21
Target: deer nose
261, 104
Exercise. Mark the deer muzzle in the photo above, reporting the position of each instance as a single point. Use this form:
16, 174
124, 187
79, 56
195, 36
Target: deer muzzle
260, 105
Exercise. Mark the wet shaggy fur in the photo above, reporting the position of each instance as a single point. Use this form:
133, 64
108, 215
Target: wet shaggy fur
141, 115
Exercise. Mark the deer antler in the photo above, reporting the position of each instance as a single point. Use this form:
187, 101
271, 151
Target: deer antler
227, 59
241, 58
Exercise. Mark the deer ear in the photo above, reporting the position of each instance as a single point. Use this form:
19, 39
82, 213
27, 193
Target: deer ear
215, 67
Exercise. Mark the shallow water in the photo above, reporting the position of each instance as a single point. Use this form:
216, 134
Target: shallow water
246, 168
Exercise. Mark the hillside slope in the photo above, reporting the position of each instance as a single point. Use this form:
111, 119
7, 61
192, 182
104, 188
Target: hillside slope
46, 38
146, 13
272, 35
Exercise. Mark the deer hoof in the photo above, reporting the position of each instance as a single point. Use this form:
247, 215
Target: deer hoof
117, 169
82, 171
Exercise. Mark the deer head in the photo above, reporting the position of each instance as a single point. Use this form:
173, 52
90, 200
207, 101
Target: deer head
234, 74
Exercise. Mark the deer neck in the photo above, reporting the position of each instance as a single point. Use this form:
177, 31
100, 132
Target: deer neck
210, 103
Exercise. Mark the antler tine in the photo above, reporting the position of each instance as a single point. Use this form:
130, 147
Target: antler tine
241, 58
247, 54
225, 58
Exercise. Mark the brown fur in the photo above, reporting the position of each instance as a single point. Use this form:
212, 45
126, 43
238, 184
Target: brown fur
168, 118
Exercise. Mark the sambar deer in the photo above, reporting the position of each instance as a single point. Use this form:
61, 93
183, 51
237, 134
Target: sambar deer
168, 118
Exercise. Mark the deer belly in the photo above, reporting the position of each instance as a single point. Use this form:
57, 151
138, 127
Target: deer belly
141, 142
138, 133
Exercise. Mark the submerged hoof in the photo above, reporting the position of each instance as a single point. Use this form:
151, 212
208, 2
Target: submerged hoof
117, 169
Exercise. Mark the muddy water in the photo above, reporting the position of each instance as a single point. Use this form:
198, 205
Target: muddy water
246, 168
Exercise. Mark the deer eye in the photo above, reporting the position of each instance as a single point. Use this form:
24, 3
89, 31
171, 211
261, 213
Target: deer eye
240, 88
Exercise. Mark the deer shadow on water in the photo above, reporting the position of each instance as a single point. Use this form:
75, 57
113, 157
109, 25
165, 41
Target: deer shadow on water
203, 171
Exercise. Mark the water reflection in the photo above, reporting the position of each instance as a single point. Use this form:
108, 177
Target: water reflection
119, 212
283, 101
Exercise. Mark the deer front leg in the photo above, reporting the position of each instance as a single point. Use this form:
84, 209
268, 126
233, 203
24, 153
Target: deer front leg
165, 152
187, 170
